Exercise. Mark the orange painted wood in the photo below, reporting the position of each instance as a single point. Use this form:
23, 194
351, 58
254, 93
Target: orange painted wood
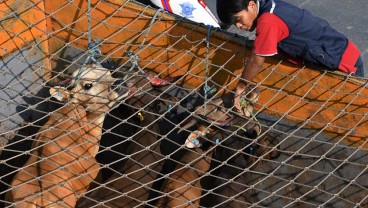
23, 26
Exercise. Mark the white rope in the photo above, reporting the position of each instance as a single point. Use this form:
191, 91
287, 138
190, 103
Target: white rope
313, 169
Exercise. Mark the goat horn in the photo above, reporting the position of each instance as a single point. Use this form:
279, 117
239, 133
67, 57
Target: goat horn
191, 123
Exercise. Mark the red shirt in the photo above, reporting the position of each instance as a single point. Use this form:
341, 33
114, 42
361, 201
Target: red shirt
271, 29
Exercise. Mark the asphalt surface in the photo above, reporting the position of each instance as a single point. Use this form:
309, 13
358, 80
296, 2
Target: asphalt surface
346, 16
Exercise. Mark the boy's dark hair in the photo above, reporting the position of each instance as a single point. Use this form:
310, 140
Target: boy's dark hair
226, 9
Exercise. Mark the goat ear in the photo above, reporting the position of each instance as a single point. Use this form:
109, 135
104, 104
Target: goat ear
60, 93
194, 140
191, 123
253, 131
257, 129
205, 130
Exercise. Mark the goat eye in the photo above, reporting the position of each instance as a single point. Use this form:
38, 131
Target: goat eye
88, 86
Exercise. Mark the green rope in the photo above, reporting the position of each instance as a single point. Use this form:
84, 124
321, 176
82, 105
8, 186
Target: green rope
239, 127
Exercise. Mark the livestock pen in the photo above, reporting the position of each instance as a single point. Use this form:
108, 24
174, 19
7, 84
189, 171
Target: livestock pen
304, 144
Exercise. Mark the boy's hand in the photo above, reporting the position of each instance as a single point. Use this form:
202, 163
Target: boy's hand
239, 91
244, 98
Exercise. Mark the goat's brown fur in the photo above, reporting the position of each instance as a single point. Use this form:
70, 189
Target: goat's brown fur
62, 163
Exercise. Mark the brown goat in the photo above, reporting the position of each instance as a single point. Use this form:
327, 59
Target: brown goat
141, 167
183, 186
62, 164
240, 144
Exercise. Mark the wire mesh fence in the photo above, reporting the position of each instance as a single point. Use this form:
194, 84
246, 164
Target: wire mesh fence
118, 104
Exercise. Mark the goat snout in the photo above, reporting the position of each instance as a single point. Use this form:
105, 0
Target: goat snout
118, 85
120, 88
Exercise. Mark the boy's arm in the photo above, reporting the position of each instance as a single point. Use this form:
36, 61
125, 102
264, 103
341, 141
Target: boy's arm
251, 69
